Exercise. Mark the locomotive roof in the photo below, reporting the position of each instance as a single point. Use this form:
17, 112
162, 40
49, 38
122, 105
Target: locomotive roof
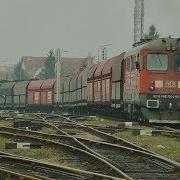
161, 44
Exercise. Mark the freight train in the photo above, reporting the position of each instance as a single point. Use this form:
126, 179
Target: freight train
143, 83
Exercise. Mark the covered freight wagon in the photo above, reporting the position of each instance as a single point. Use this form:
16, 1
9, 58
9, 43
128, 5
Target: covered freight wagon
82, 87
61, 100
117, 82
34, 93
106, 76
20, 91
98, 83
6, 95
66, 91
73, 90
90, 84
47, 93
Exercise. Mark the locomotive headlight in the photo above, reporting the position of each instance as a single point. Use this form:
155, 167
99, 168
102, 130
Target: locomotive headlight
152, 86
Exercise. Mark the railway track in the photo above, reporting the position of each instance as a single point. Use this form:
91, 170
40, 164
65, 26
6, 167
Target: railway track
167, 131
133, 161
24, 168
163, 130
69, 155
69, 121
136, 164
70, 124
70, 127
7, 174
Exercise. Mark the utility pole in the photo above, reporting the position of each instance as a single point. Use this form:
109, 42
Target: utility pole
104, 53
103, 49
138, 20
58, 74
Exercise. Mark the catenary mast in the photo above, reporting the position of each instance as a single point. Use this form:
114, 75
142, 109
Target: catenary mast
138, 20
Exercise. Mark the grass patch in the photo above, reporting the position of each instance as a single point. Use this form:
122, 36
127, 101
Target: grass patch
7, 123
141, 127
46, 154
80, 133
29, 116
3, 140
48, 130
5, 114
101, 122
166, 146
89, 136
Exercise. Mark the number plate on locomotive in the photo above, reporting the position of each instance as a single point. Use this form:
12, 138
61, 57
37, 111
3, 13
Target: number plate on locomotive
170, 84
167, 96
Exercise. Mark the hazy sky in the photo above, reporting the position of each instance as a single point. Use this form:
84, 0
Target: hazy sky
32, 27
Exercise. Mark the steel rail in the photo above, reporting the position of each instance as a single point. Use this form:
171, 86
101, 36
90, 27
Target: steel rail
162, 159
107, 137
7, 174
67, 122
90, 159
33, 167
157, 157
115, 154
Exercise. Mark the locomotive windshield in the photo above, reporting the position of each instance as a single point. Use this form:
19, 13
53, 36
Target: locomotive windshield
177, 63
157, 62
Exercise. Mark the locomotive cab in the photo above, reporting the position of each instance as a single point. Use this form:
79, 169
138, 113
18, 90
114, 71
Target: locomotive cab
156, 95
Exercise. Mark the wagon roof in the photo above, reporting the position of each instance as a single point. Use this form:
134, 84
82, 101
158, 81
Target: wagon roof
116, 67
108, 66
67, 79
118, 59
75, 76
21, 84
7, 87
35, 85
100, 68
48, 84
84, 71
92, 70
8, 84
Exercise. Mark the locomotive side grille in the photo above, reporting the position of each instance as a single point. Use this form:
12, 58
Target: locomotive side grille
152, 104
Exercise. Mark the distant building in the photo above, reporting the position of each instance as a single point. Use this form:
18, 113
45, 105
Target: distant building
34, 66
74, 65
6, 72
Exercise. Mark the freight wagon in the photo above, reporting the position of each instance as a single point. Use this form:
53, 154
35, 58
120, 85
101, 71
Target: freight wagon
41, 95
34, 95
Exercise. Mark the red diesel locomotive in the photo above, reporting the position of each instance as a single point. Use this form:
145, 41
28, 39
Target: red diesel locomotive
152, 80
